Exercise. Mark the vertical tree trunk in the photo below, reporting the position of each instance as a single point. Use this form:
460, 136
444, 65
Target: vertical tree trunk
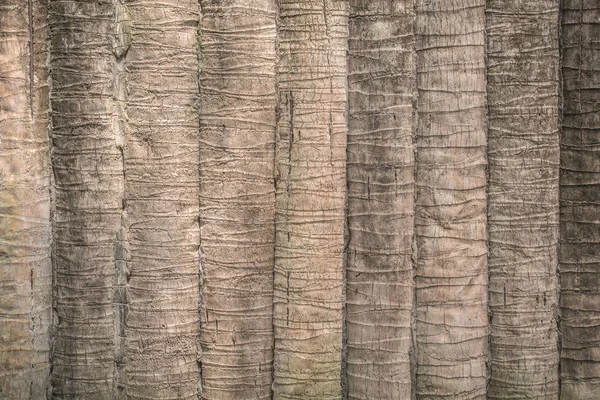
237, 197
451, 200
523, 149
580, 201
379, 270
161, 200
25, 268
88, 177
311, 180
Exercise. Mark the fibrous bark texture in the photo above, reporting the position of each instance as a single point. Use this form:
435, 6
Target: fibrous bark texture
580, 201
523, 151
237, 197
25, 268
451, 280
380, 175
310, 199
88, 183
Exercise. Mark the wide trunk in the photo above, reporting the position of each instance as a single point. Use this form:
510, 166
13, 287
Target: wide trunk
451, 281
580, 201
379, 273
237, 197
25, 268
311, 182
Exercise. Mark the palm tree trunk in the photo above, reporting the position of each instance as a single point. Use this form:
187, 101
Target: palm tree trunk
310, 199
237, 197
161, 200
523, 149
26, 273
451, 281
88, 174
580, 201
379, 274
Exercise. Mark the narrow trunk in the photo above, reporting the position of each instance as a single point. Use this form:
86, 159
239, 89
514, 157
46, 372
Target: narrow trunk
523, 151
237, 197
379, 270
580, 201
88, 178
161, 199
451, 280
25, 268
311, 181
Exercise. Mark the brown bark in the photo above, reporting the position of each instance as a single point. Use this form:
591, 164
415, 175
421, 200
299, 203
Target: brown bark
237, 197
523, 151
451, 281
25, 268
580, 201
380, 176
310, 198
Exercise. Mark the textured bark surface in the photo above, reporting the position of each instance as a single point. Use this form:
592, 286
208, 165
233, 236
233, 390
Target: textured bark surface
379, 272
310, 199
161, 200
237, 197
451, 281
88, 180
25, 268
580, 201
523, 152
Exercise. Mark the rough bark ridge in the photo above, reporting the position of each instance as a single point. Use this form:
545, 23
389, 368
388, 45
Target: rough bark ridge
451, 280
25, 268
523, 152
161, 200
88, 177
379, 273
237, 197
580, 200
310, 199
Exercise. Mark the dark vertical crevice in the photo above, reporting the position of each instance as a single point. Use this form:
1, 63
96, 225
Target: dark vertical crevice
560, 134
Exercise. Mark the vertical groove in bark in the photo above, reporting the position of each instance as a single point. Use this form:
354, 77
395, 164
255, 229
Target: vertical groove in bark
25, 268
380, 199
88, 177
237, 197
311, 176
580, 200
523, 151
161, 200
451, 207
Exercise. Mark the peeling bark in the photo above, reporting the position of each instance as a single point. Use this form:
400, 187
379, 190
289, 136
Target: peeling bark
451, 281
25, 268
237, 197
580, 201
523, 151
380, 176
310, 199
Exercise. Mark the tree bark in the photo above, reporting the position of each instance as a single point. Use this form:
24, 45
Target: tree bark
523, 151
580, 201
26, 273
451, 281
310, 199
88, 178
161, 197
379, 274
237, 196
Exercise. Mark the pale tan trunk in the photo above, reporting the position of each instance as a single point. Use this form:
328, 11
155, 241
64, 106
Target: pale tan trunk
580, 201
523, 149
311, 180
25, 268
88, 176
379, 274
161, 200
451, 280
237, 197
